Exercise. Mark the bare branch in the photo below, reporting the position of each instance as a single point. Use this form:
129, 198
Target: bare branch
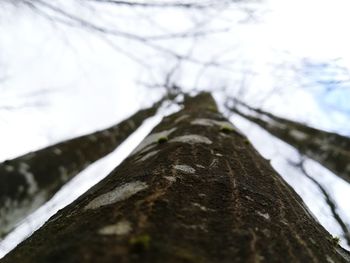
153, 4
327, 197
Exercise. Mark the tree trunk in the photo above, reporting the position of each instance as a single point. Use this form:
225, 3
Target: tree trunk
194, 190
329, 149
30, 180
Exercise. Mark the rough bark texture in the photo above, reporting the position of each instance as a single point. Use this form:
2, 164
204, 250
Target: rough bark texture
30, 180
195, 190
329, 149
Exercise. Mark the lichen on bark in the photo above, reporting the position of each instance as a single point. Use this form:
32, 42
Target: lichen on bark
329, 149
217, 202
28, 181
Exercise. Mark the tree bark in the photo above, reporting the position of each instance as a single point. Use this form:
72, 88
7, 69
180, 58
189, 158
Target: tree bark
194, 190
30, 180
329, 149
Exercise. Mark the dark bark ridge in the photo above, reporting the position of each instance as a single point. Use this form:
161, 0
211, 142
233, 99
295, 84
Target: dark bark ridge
28, 181
195, 190
329, 149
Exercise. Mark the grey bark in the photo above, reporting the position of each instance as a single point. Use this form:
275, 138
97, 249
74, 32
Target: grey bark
28, 181
329, 149
194, 190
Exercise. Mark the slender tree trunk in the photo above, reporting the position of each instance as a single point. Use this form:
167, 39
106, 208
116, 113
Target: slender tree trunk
30, 180
329, 149
195, 190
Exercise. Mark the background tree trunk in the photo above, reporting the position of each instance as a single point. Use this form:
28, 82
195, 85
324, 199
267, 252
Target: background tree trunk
329, 149
194, 190
30, 180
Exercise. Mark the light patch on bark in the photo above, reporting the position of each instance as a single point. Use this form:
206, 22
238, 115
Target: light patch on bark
146, 149
57, 151
348, 167
203, 122
131, 123
147, 156
152, 139
20, 189
298, 135
266, 232
119, 193
202, 208
181, 118
200, 166
29, 177
249, 198
201, 227
274, 124
325, 147
121, 228
284, 222
13, 211
92, 138
184, 168
264, 215
320, 155
214, 163
106, 133
9, 168
192, 139
170, 178
210, 123
63, 173
329, 259
312, 241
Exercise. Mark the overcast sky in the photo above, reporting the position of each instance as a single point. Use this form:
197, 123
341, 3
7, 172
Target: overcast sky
58, 82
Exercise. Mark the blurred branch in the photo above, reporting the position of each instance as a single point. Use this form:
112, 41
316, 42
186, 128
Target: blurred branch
329, 200
56, 13
23, 106
40, 174
74, 20
329, 149
176, 4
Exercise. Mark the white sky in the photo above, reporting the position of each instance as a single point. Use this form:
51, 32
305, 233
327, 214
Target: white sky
79, 84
